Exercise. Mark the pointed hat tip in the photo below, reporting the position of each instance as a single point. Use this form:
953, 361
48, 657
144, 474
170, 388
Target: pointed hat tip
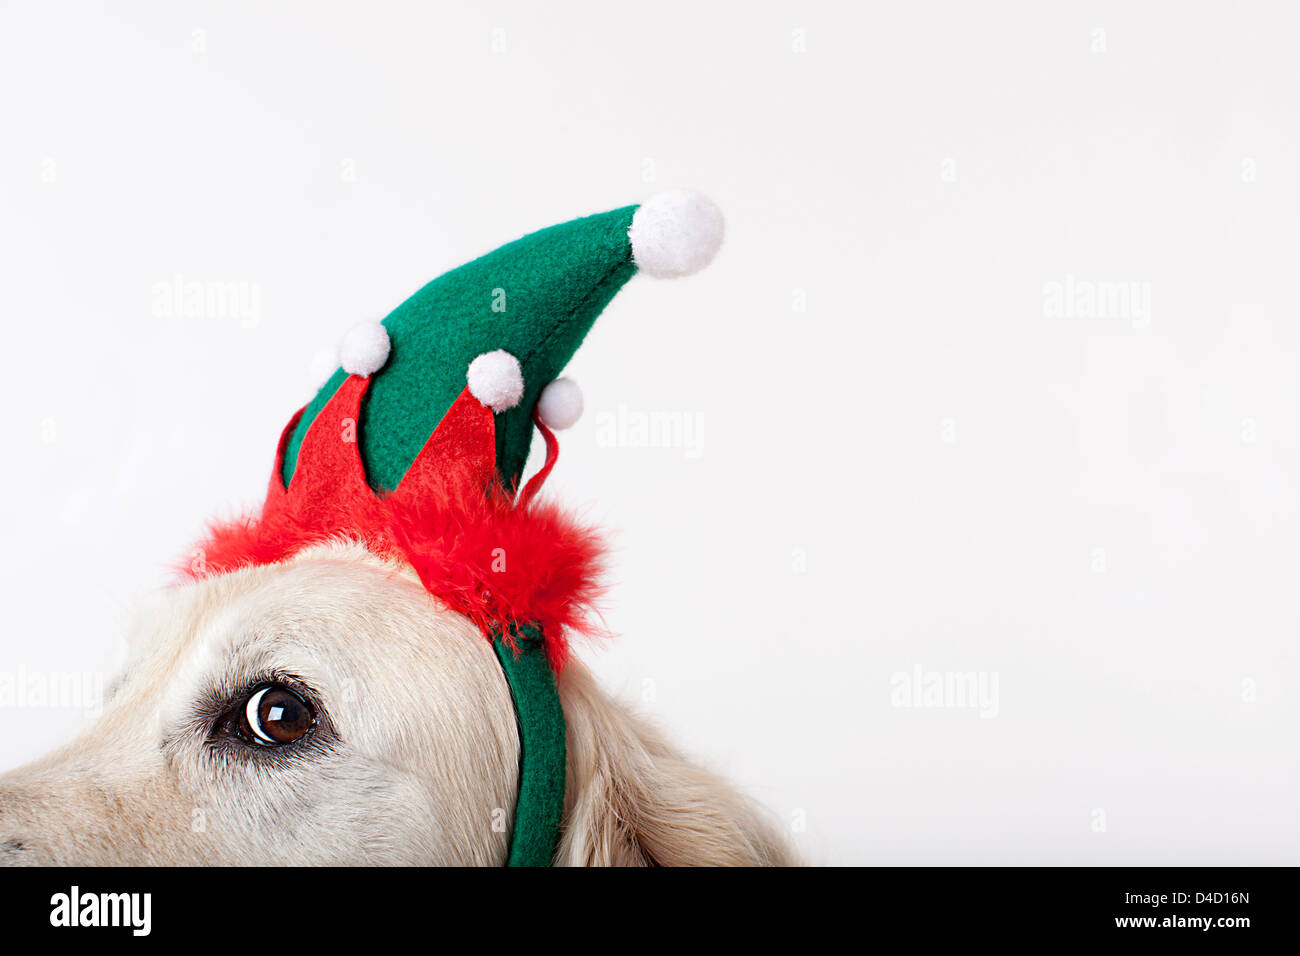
675, 233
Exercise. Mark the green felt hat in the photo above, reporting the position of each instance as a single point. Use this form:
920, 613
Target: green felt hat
504, 326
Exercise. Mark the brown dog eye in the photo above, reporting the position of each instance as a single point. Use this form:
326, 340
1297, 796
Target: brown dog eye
275, 715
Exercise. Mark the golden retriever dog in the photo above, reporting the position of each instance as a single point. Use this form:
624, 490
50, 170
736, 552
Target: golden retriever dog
321, 690
412, 757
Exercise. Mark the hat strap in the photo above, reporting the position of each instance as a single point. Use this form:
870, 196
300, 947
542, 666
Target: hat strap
540, 719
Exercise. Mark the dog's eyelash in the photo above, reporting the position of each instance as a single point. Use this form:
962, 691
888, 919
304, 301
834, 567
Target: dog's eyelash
230, 693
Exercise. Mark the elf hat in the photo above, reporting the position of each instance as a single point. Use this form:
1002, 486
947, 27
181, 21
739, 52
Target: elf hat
416, 446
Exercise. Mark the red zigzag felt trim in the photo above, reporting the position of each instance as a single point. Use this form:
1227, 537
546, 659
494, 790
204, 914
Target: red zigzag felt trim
500, 562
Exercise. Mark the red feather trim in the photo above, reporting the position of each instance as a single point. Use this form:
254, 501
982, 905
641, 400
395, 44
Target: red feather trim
500, 562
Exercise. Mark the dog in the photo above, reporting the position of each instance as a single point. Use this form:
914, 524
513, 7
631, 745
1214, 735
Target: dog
413, 751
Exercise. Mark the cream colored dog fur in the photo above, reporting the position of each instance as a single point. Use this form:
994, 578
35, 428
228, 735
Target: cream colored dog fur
414, 758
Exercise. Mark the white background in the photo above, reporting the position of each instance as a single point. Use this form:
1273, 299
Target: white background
907, 456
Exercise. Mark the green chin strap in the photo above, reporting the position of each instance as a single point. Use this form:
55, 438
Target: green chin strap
540, 719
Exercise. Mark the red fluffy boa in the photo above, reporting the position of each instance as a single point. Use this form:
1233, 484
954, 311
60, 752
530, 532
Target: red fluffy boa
502, 562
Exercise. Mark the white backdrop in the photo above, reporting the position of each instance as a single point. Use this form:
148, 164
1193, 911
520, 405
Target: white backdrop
993, 386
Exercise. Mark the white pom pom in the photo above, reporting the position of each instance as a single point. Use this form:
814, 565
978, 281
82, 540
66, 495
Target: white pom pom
560, 404
364, 349
675, 233
496, 380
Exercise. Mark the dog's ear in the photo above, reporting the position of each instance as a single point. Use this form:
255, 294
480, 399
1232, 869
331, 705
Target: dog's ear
633, 801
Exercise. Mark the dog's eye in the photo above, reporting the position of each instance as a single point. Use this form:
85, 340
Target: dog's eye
275, 715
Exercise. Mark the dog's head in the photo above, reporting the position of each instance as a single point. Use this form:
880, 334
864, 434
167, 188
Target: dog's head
321, 711
329, 710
